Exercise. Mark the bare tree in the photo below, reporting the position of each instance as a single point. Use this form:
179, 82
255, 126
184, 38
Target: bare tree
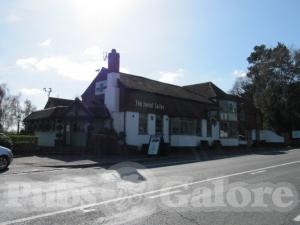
28, 108
11, 110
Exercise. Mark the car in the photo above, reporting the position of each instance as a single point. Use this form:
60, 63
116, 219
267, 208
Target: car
6, 157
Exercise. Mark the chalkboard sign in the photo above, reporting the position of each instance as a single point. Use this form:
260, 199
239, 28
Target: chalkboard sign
154, 145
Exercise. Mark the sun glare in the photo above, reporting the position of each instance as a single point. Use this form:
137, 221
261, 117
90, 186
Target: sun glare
104, 10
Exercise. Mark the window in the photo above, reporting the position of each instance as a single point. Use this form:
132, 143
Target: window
143, 123
77, 128
175, 125
185, 126
209, 128
228, 110
228, 130
159, 124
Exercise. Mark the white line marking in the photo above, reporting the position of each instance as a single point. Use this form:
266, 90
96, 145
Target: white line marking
87, 210
297, 218
164, 194
170, 163
141, 194
260, 171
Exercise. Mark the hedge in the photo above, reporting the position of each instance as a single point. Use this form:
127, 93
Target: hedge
24, 143
23, 139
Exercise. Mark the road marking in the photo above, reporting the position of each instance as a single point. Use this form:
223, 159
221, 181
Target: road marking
141, 194
170, 163
32, 171
85, 210
164, 194
297, 218
260, 171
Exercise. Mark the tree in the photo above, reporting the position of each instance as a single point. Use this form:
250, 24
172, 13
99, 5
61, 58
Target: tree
271, 84
28, 108
11, 110
242, 87
2, 94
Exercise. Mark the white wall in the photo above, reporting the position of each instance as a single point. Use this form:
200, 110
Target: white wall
46, 138
216, 131
166, 128
151, 123
229, 141
193, 140
132, 129
204, 128
112, 93
134, 138
118, 121
253, 134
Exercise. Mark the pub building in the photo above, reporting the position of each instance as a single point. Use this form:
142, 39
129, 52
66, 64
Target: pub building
141, 107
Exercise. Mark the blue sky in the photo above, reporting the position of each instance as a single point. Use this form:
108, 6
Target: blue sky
60, 43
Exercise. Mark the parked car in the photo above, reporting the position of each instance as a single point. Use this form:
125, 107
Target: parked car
6, 157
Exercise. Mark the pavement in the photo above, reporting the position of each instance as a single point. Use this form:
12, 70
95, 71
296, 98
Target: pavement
257, 188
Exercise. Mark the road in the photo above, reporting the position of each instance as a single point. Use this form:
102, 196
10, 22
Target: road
250, 189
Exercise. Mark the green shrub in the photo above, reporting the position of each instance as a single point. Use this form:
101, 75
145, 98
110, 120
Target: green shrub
164, 149
216, 144
104, 144
204, 144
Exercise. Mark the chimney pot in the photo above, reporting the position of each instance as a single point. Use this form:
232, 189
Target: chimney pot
113, 61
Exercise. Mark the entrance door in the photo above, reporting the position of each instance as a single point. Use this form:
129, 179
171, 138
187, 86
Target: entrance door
68, 134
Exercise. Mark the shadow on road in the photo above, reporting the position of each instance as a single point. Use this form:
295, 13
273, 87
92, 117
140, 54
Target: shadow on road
5, 170
175, 158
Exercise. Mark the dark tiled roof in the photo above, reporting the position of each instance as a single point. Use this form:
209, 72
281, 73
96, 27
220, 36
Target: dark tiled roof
53, 112
53, 102
156, 87
210, 90
99, 111
61, 112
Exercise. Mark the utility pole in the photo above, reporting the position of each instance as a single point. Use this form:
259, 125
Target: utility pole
18, 119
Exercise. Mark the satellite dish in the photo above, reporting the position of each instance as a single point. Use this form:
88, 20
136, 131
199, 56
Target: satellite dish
104, 56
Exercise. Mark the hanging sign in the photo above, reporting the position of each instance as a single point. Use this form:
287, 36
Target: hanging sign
100, 87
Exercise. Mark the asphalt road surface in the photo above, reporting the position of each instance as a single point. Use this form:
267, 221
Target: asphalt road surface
251, 189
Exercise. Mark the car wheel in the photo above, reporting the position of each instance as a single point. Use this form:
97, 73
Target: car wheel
3, 162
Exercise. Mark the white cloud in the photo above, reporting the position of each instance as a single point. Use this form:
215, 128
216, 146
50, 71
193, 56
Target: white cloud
31, 91
45, 43
239, 73
12, 18
82, 68
93, 52
170, 77
27, 63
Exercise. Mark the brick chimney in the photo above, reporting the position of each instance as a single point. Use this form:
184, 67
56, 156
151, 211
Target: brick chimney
113, 61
